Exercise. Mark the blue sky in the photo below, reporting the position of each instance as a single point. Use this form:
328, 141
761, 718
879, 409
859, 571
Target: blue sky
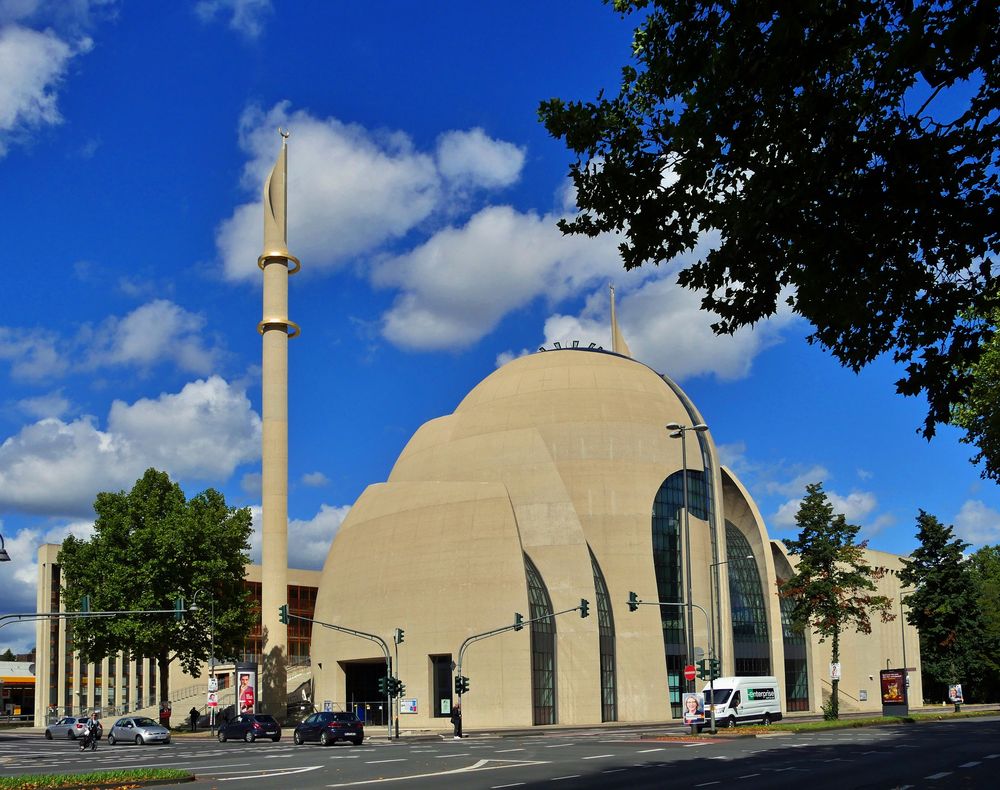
134, 139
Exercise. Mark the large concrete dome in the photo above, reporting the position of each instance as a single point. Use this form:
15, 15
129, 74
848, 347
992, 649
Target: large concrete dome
554, 480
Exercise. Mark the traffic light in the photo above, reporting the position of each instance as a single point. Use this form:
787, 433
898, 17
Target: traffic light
85, 603
178, 608
633, 601
283, 614
400, 688
715, 668
584, 607
397, 636
704, 668
461, 684
383, 686
518, 621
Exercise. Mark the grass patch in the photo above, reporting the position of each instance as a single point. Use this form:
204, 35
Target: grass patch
845, 724
131, 778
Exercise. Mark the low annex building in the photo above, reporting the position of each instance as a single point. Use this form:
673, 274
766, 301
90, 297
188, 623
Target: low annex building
555, 480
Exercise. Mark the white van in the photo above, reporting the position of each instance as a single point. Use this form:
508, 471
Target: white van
743, 700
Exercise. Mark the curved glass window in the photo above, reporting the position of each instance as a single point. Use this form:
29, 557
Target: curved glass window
668, 509
543, 647
606, 631
751, 648
796, 677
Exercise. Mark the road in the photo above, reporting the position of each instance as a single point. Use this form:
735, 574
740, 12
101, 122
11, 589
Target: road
964, 753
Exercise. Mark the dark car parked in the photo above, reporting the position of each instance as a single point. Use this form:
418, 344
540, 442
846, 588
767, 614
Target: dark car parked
329, 727
249, 727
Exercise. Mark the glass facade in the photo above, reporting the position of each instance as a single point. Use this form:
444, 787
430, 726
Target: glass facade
668, 509
302, 602
543, 648
751, 646
796, 675
606, 631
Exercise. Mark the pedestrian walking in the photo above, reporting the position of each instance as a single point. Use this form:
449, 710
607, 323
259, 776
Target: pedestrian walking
193, 716
456, 720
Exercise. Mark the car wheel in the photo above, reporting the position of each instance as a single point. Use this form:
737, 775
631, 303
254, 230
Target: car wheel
357, 741
297, 737
222, 737
48, 735
326, 740
71, 735
111, 740
731, 722
276, 738
138, 740
766, 721
249, 737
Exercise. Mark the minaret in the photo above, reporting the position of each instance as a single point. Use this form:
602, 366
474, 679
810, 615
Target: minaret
277, 263
618, 344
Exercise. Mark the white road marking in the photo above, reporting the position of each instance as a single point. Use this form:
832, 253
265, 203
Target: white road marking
558, 745
379, 762
560, 778
597, 756
271, 774
479, 765
500, 787
991, 756
451, 756
747, 776
613, 770
706, 784
646, 751
504, 751
973, 764
941, 775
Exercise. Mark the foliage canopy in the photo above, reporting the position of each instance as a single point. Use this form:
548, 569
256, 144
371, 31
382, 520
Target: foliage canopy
831, 588
150, 546
845, 154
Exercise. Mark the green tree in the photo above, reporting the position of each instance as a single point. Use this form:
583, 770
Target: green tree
844, 152
979, 414
832, 586
943, 606
7, 655
984, 565
151, 545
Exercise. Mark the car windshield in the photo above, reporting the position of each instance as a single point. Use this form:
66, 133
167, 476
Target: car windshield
721, 696
265, 718
144, 722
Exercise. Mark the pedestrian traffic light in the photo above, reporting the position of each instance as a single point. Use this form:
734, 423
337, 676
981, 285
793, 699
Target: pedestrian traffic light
178, 608
383, 686
283, 614
584, 607
633, 601
461, 684
704, 667
518, 621
400, 688
397, 636
713, 664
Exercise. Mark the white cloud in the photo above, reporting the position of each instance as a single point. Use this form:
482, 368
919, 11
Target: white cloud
855, 506
977, 523
796, 485
308, 540
52, 404
33, 64
315, 479
156, 331
56, 467
250, 483
152, 333
471, 157
459, 284
246, 17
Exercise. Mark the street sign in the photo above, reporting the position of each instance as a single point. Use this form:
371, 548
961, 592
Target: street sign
689, 672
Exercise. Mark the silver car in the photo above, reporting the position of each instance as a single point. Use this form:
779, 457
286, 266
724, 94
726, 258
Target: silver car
138, 730
67, 727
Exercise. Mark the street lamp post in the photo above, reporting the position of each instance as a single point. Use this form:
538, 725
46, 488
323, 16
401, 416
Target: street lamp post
4, 556
902, 637
679, 432
713, 569
211, 655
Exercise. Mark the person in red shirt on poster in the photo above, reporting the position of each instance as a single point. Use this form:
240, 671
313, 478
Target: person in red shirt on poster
246, 694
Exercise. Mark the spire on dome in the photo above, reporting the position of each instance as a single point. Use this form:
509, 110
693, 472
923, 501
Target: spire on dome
618, 344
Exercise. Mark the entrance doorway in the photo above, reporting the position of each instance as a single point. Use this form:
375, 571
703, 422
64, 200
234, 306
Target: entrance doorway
361, 687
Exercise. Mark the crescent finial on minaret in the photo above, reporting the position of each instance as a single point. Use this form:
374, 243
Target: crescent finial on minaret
276, 210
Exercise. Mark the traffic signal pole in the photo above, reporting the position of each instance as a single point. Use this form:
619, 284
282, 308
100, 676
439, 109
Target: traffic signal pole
634, 603
286, 615
462, 682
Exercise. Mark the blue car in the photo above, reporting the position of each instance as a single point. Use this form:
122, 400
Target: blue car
329, 727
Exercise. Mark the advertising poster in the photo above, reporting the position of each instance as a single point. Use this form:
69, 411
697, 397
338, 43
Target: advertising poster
246, 696
213, 699
407, 705
955, 693
893, 683
694, 708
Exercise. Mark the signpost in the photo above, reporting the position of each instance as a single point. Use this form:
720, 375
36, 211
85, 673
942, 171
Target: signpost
690, 672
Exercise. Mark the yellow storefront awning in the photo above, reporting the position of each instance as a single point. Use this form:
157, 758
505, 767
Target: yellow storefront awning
14, 679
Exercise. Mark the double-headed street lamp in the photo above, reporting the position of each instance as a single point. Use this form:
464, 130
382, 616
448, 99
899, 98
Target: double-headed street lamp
679, 432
